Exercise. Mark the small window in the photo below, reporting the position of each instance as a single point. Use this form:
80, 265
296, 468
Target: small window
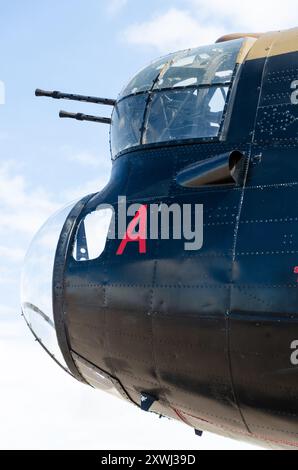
127, 122
92, 235
185, 114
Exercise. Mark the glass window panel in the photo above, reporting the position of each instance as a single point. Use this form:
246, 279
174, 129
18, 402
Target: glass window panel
37, 279
92, 235
127, 120
143, 80
185, 114
195, 69
202, 66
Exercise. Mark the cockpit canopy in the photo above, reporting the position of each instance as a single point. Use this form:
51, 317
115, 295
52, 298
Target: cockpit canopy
178, 97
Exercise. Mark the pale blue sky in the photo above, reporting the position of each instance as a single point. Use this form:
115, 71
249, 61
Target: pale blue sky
89, 47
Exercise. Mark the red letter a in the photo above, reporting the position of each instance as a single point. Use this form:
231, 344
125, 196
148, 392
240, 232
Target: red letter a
139, 219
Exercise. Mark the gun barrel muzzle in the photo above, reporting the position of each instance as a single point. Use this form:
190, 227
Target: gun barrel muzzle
85, 117
58, 95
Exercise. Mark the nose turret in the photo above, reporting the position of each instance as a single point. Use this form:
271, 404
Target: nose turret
37, 279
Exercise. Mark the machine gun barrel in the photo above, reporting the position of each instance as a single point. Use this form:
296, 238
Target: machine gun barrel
85, 117
58, 95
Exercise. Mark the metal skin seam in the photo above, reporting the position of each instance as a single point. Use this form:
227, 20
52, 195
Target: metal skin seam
228, 313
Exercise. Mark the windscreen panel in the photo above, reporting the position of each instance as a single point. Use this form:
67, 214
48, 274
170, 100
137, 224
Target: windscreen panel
185, 114
127, 120
181, 96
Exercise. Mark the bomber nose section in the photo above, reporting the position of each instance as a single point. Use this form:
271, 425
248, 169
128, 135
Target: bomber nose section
37, 279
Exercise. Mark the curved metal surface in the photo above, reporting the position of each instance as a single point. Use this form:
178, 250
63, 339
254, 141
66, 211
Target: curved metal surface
62, 253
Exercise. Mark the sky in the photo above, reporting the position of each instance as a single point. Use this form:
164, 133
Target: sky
89, 47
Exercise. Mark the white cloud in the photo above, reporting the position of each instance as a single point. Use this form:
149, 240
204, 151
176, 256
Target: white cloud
8, 276
253, 16
102, 164
92, 186
23, 209
173, 30
6, 310
203, 21
14, 254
